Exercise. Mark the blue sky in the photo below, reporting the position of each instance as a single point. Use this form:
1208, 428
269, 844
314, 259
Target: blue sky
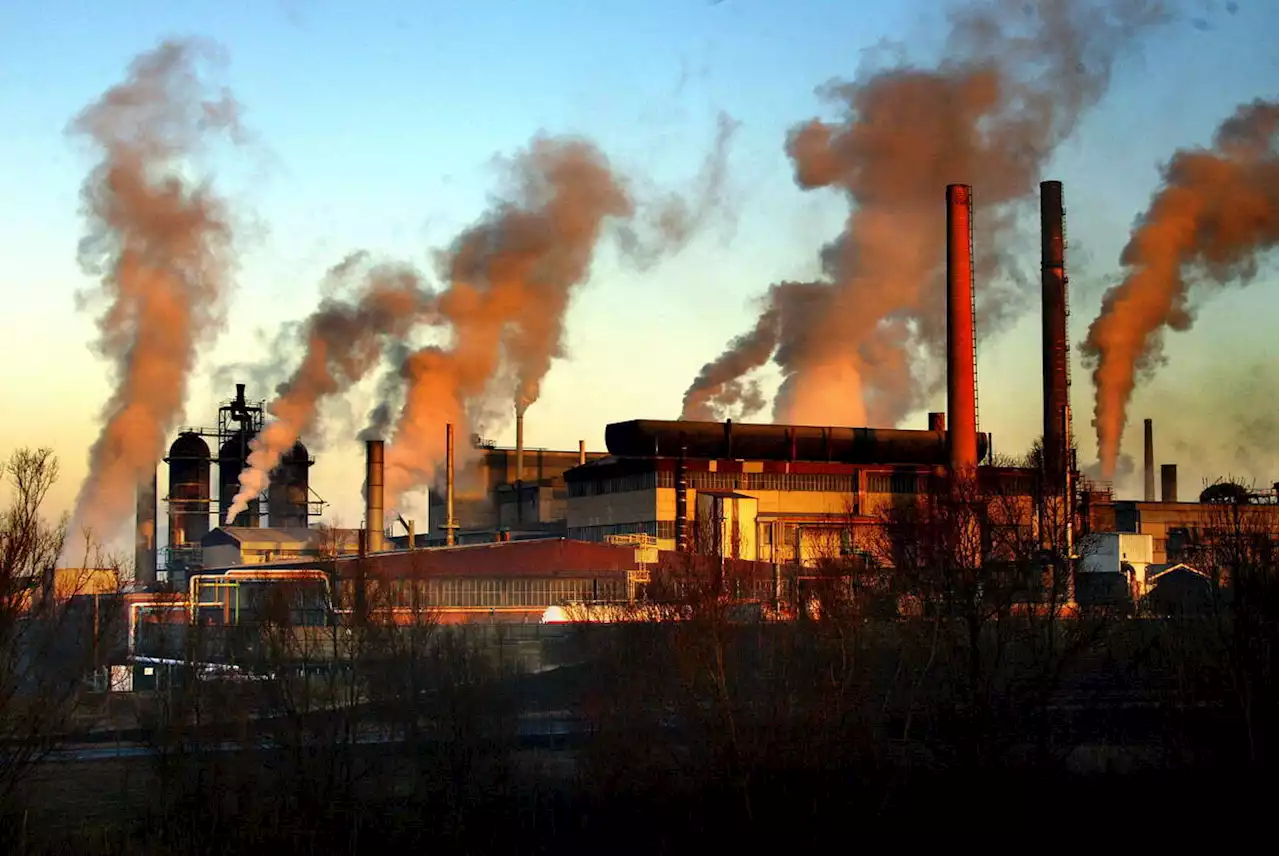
376, 124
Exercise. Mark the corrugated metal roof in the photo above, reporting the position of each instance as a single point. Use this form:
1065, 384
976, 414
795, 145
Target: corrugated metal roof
262, 535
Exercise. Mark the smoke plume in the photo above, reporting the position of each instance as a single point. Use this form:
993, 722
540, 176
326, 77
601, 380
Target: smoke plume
160, 245
1012, 85
681, 217
510, 280
1214, 214
344, 338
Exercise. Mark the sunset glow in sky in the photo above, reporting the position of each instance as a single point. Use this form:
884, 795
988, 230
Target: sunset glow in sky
374, 126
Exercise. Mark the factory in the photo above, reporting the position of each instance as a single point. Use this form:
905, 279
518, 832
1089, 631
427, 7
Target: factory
290, 502
520, 531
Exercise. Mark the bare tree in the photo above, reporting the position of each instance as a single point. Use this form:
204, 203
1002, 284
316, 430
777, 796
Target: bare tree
1222, 633
51, 637
990, 573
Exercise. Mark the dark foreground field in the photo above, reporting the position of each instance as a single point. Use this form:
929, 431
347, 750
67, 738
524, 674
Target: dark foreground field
694, 738
526, 803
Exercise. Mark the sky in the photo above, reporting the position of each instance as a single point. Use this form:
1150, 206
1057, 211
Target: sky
375, 126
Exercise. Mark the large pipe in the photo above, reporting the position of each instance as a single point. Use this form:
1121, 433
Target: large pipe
1168, 482
373, 496
449, 525
1053, 313
644, 438
1148, 462
682, 502
962, 396
144, 554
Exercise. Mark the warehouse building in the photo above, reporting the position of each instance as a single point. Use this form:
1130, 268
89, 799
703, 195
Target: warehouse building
772, 493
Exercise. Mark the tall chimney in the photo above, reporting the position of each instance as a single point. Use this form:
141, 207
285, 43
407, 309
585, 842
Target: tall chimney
519, 445
144, 554
1053, 314
1168, 482
1148, 463
582, 452
962, 393
449, 525
373, 496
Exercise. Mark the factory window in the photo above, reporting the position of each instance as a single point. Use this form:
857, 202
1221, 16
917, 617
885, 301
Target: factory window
614, 484
903, 483
599, 533
777, 481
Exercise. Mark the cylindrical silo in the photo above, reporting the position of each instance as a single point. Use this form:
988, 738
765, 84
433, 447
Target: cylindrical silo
287, 498
232, 458
189, 489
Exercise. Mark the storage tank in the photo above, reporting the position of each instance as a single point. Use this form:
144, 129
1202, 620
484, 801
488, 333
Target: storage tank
643, 438
290, 490
189, 489
232, 458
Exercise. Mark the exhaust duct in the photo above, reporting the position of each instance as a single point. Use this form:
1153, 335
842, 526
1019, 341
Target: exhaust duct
962, 393
449, 525
519, 445
373, 495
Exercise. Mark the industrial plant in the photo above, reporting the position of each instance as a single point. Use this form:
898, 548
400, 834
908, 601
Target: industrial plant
523, 533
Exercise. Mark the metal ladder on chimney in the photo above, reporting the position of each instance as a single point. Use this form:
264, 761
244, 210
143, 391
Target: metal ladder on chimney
973, 322
1066, 310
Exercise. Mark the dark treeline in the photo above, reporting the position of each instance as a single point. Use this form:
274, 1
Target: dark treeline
962, 699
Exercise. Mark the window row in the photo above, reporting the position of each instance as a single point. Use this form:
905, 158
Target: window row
655, 528
722, 481
473, 592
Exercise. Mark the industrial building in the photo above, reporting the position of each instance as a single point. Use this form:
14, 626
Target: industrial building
290, 502
779, 493
516, 531
517, 491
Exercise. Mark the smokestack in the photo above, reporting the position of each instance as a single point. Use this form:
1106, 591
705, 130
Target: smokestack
962, 392
413, 538
373, 496
449, 525
519, 445
1168, 482
937, 422
144, 556
1148, 463
1053, 313
582, 452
